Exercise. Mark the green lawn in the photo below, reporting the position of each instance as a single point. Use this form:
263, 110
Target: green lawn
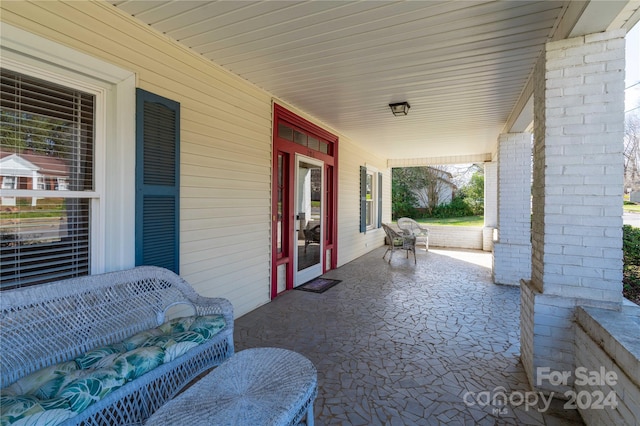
455, 221
479, 220
631, 208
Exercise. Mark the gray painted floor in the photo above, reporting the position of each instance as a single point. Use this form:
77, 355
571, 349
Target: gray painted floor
398, 344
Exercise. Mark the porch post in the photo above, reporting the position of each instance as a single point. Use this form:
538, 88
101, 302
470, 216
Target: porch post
512, 251
577, 196
490, 204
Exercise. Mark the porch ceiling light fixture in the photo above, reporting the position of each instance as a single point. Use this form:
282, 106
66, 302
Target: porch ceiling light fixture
401, 108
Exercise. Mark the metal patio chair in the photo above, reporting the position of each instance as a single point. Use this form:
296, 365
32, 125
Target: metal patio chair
408, 225
399, 241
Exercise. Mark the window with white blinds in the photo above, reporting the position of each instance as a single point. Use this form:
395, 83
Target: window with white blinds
47, 176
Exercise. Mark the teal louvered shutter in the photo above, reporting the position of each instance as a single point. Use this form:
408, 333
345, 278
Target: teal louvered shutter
157, 181
363, 199
379, 200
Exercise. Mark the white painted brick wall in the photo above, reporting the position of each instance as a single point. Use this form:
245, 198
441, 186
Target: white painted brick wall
491, 194
578, 172
555, 348
592, 357
597, 347
526, 329
487, 238
511, 263
577, 187
490, 204
512, 251
465, 237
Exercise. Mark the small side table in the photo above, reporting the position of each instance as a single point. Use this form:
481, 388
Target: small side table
260, 386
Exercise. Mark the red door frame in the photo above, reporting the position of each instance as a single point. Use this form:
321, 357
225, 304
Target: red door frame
288, 149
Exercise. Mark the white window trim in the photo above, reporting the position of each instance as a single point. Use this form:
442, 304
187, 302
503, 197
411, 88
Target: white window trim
9, 182
374, 196
113, 221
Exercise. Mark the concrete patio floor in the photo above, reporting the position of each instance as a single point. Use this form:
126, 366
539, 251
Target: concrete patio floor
398, 344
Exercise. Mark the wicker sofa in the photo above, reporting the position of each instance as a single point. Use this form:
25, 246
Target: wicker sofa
55, 323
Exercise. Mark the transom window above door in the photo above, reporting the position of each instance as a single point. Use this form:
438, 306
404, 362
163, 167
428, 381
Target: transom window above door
290, 133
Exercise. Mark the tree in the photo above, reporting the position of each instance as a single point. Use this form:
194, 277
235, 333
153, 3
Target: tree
632, 151
473, 193
461, 173
37, 133
427, 183
403, 200
435, 181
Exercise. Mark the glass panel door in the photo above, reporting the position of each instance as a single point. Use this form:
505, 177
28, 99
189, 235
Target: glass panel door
309, 219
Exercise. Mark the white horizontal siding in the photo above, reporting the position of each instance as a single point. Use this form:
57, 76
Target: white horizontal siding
353, 243
226, 132
225, 143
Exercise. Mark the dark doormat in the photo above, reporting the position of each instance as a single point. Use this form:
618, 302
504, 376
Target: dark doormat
318, 285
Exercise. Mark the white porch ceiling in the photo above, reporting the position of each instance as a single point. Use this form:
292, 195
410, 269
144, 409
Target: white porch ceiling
461, 65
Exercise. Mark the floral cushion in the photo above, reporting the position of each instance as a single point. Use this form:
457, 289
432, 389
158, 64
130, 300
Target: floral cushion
177, 325
398, 242
189, 336
56, 393
90, 358
29, 410
45, 383
208, 326
90, 388
138, 340
174, 351
137, 362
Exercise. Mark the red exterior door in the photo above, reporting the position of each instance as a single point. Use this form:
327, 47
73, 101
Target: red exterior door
294, 135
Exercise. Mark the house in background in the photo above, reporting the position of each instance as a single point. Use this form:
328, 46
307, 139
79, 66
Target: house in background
439, 190
32, 172
196, 125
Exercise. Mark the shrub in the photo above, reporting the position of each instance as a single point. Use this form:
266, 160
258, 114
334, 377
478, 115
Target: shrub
473, 193
456, 208
475, 205
631, 245
631, 259
403, 200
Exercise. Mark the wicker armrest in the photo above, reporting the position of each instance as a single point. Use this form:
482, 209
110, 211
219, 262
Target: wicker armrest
55, 322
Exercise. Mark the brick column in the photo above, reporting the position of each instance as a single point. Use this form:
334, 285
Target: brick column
512, 251
577, 195
490, 204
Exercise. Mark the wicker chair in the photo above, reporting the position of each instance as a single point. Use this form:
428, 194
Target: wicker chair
412, 227
50, 323
311, 235
399, 241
